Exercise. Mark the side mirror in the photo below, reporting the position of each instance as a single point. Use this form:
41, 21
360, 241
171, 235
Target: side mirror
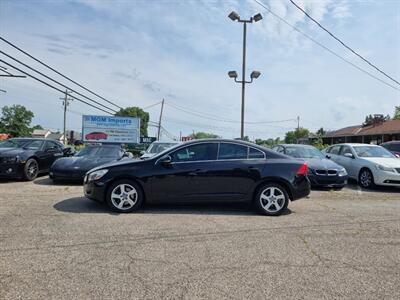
166, 161
328, 156
349, 155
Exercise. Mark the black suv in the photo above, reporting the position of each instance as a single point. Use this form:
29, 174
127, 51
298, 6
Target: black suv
27, 157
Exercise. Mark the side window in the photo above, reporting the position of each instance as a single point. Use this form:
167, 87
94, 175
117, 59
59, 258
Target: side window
344, 150
199, 152
334, 150
275, 148
281, 150
254, 153
232, 151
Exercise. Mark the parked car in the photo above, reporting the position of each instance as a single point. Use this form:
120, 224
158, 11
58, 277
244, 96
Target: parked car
393, 146
156, 147
74, 168
368, 164
322, 172
202, 170
96, 136
25, 158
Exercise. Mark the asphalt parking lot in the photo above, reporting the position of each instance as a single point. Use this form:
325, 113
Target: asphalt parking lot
336, 244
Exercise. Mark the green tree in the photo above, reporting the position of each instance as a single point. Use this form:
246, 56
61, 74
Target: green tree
396, 115
204, 135
15, 120
37, 127
320, 132
291, 137
136, 112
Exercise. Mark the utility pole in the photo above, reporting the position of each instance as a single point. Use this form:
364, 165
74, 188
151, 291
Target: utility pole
298, 128
65, 105
159, 121
255, 74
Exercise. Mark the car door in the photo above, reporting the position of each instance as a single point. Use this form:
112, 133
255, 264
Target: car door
231, 177
52, 151
349, 163
185, 178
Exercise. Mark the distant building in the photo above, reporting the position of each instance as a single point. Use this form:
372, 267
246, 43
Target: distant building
56, 136
41, 133
376, 133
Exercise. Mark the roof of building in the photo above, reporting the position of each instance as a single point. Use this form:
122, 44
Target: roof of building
55, 136
40, 132
387, 127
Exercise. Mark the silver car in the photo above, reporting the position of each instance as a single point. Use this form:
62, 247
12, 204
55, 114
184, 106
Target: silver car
157, 147
368, 164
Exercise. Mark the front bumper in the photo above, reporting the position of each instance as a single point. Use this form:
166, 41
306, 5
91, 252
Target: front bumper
327, 181
8, 171
387, 178
67, 175
94, 190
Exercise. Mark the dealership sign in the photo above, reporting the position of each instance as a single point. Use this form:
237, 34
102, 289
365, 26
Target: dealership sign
106, 129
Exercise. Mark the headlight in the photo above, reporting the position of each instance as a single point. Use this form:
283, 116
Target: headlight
383, 168
342, 172
96, 175
10, 159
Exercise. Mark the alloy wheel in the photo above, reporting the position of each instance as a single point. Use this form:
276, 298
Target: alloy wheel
272, 199
366, 178
124, 196
32, 169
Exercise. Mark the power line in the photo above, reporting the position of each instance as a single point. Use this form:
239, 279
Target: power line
38, 72
53, 87
59, 73
324, 47
345, 45
209, 117
147, 107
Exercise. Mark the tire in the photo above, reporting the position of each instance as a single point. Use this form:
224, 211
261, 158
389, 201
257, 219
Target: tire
31, 169
366, 179
124, 196
274, 206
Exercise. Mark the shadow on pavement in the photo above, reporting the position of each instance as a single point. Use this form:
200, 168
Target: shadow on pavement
84, 205
48, 181
352, 185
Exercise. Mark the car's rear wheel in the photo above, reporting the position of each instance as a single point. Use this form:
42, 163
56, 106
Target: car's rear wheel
31, 169
366, 179
272, 199
124, 196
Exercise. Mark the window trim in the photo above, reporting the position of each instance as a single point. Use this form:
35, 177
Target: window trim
208, 142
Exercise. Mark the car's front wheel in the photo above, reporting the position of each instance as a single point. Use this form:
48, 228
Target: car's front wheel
366, 179
31, 169
124, 196
272, 199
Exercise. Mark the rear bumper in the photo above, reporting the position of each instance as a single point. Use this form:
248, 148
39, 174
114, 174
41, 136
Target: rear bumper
301, 188
327, 181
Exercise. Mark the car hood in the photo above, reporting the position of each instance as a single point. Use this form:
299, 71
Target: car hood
321, 163
80, 163
127, 161
391, 162
12, 151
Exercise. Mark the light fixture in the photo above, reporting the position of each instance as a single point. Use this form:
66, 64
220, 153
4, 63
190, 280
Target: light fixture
234, 16
232, 74
255, 74
257, 17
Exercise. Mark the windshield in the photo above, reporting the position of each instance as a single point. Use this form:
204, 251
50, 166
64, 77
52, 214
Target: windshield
159, 147
20, 143
99, 152
372, 151
304, 152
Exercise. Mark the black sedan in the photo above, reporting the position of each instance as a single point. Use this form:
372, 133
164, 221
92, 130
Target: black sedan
203, 170
25, 158
322, 172
74, 168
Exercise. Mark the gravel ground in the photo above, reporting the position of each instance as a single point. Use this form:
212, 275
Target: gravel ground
336, 244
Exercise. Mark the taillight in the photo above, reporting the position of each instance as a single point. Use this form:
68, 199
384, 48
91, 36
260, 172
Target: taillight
302, 171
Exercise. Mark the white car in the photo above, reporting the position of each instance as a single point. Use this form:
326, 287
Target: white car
368, 164
157, 147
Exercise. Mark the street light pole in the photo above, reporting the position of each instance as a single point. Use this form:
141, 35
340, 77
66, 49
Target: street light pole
255, 74
243, 80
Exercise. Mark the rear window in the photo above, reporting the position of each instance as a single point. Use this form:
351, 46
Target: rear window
232, 151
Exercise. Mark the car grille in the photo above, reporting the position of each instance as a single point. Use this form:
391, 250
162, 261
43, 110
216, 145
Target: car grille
326, 172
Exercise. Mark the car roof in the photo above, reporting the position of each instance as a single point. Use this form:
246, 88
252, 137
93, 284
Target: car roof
354, 144
296, 145
391, 142
32, 139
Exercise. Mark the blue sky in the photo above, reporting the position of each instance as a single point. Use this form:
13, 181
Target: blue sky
138, 52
